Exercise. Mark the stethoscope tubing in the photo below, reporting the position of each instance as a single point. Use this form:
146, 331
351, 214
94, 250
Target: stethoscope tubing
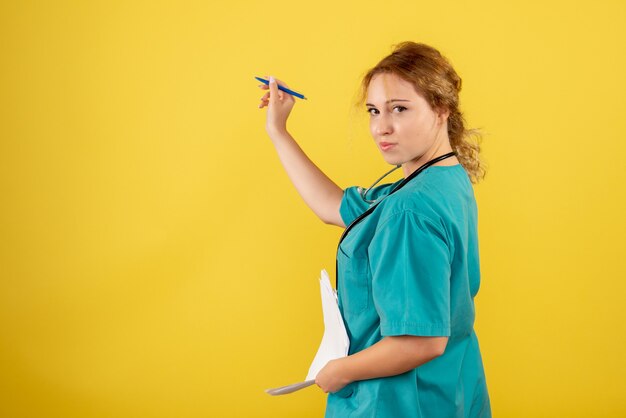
371, 208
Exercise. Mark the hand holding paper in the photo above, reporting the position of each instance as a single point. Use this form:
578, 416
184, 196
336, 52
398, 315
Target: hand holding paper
335, 343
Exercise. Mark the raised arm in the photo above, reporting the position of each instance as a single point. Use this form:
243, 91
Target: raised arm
319, 192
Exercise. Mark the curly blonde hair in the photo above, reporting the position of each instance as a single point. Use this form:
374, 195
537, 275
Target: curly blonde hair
434, 78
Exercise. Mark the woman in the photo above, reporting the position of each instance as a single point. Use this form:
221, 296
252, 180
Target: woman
408, 263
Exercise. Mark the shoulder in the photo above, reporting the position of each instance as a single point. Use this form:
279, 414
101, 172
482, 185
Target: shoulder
357, 200
434, 195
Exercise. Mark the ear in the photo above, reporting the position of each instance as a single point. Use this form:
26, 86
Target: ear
442, 114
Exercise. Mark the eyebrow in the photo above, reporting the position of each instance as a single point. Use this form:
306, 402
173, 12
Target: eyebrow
390, 101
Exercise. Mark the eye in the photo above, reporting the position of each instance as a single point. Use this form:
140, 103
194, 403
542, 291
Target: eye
370, 109
400, 107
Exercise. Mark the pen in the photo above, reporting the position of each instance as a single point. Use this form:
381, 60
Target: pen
285, 89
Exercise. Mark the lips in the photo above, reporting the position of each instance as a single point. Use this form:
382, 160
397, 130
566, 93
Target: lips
386, 145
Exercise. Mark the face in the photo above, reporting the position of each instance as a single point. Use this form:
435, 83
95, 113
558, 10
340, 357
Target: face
405, 128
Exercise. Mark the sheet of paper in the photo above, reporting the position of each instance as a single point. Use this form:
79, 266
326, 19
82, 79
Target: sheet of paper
335, 342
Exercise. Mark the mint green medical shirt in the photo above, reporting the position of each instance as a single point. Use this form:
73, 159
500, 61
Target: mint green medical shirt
411, 267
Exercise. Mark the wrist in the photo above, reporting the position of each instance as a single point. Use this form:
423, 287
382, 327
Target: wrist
346, 370
279, 136
274, 131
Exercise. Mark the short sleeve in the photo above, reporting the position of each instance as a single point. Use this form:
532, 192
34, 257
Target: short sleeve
352, 206
410, 263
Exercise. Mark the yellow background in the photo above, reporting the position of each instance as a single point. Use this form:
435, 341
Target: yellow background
157, 262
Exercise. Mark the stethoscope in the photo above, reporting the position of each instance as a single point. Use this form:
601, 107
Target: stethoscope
363, 194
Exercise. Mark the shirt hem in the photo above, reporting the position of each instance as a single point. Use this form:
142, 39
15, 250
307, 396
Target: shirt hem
416, 329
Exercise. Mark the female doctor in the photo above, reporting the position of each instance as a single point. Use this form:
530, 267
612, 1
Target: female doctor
407, 262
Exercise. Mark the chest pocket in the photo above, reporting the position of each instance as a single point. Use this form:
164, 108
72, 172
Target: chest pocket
354, 282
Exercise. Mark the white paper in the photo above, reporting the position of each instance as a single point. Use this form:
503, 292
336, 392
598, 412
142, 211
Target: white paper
335, 342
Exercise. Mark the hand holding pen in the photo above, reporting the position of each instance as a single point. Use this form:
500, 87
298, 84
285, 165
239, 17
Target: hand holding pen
285, 89
279, 104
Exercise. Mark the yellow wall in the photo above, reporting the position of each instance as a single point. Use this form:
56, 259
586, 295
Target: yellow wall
156, 261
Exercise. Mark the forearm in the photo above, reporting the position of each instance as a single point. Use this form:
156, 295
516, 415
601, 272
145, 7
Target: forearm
391, 356
319, 192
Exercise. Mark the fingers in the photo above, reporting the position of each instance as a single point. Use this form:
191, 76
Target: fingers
264, 100
273, 91
320, 386
265, 86
280, 82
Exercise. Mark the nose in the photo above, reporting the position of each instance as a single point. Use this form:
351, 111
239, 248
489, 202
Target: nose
383, 125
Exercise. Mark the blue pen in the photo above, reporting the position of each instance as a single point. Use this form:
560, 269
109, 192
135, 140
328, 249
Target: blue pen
285, 89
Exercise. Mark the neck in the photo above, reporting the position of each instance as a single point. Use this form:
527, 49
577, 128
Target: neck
410, 166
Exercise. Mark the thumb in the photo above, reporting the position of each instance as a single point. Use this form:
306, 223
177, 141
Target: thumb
274, 92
